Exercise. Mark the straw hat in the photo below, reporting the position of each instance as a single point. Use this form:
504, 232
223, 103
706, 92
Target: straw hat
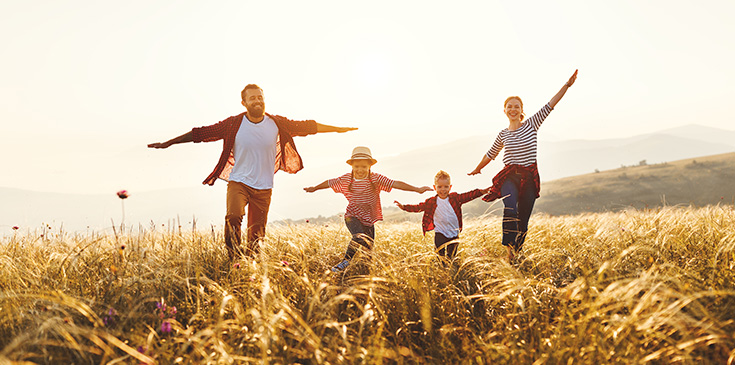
362, 153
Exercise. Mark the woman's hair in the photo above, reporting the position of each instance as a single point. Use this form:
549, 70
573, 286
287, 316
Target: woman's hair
442, 175
523, 115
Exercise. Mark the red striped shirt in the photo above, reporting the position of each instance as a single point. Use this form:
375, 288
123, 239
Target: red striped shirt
363, 196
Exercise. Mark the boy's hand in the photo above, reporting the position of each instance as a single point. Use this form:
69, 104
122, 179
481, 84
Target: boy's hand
424, 189
398, 204
310, 189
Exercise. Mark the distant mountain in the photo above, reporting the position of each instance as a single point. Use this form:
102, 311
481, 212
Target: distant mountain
418, 167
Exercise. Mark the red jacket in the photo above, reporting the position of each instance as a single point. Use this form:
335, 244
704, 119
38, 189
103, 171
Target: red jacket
287, 158
529, 175
429, 207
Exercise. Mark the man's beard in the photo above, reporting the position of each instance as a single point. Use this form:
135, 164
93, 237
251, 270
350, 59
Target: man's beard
255, 112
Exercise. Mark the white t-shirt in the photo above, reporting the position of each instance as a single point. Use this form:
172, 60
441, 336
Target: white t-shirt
255, 153
445, 220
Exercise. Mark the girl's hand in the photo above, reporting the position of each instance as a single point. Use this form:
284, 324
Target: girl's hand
474, 172
398, 204
310, 189
424, 189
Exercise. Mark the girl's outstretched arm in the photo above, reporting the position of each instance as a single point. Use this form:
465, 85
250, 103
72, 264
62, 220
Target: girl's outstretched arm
321, 186
558, 96
403, 186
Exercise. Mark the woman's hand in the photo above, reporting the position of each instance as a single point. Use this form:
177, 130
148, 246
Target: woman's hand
572, 79
399, 205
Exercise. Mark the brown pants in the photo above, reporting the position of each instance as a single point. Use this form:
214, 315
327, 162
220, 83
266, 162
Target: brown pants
258, 201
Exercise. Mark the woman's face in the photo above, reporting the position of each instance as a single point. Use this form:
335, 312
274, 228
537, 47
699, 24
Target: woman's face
360, 169
514, 109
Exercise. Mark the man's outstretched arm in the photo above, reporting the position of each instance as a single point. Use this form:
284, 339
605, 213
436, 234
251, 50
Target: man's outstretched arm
186, 137
323, 128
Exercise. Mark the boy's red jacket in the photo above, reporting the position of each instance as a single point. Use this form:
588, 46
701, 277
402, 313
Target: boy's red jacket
429, 206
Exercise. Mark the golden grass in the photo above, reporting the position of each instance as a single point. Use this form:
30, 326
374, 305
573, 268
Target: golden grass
631, 287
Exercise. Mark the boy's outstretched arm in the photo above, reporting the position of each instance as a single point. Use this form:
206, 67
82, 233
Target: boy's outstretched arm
411, 208
321, 186
403, 186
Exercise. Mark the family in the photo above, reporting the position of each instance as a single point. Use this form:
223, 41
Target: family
257, 144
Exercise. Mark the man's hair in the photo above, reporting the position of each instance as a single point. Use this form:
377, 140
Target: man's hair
249, 87
442, 175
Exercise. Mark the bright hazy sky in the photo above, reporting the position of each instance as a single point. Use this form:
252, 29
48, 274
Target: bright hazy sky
87, 84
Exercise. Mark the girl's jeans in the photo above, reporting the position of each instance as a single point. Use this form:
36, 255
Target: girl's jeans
361, 235
518, 208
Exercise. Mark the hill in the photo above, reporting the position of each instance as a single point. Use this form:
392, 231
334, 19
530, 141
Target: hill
697, 181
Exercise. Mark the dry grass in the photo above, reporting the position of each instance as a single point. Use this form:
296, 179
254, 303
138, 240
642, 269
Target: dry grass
631, 287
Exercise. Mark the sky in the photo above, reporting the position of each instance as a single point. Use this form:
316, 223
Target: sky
86, 85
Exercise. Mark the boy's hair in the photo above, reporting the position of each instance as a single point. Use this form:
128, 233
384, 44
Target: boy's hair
442, 175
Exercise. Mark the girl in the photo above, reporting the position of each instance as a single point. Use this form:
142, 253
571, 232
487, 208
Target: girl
362, 190
518, 182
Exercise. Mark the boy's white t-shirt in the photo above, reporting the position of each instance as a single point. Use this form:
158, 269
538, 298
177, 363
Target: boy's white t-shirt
445, 220
255, 153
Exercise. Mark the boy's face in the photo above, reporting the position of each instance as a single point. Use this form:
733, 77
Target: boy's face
360, 169
442, 188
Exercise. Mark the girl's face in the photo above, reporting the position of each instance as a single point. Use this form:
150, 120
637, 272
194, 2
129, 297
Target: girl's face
514, 109
360, 169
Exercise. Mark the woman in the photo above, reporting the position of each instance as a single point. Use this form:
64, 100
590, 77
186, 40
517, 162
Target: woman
518, 182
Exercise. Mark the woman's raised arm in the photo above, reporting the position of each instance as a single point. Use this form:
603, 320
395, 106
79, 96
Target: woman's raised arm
558, 96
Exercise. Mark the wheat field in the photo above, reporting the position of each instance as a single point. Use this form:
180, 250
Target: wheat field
653, 286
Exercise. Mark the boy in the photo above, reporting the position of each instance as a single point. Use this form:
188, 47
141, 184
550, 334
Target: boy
443, 213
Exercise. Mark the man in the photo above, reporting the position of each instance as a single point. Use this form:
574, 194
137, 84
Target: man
254, 142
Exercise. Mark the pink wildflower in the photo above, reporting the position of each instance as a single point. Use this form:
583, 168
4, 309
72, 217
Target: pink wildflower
166, 327
123, 194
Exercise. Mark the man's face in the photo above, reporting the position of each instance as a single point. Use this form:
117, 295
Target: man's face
442, 188
254, 103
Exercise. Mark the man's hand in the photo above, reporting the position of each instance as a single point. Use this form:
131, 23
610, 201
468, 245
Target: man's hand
344, 129
159, 145
310, 189
324, 128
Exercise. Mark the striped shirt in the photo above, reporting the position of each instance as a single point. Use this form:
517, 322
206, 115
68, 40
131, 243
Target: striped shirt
363, 197
520, 144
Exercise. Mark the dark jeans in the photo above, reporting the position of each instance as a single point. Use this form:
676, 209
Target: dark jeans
518, 208
361, 235
444, 249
